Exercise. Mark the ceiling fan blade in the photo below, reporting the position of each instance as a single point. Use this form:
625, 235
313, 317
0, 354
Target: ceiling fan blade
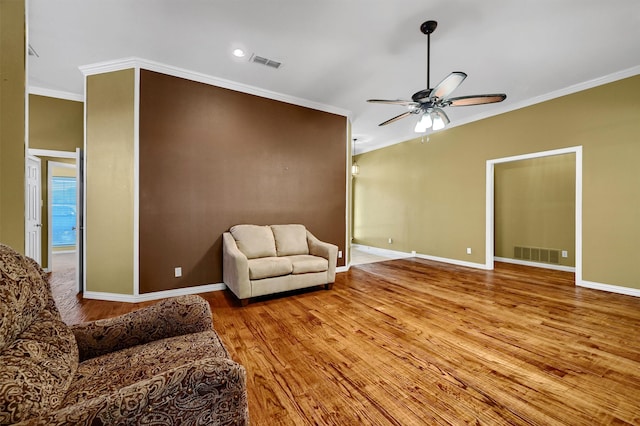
393, 102
448, 85
396, 118
476, 99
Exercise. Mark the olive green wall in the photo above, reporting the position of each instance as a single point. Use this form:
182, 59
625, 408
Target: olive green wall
55, 124
535, 203
12, 116
430, 197
110, 165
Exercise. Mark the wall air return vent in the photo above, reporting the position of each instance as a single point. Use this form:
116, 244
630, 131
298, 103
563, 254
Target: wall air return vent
265, 61
537, 254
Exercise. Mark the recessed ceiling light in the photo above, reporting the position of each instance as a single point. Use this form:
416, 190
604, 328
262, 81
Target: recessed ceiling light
238, 53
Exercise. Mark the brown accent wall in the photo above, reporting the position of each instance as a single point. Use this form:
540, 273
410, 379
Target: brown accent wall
211, 158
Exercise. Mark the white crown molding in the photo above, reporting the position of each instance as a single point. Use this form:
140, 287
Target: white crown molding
146, 297
58, 94
585, 85
126, 63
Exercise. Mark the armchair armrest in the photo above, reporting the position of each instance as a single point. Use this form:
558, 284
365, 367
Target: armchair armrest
327, 250
168, 318
235, 268
207, 391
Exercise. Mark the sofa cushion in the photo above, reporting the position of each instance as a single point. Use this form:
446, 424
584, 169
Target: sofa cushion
290, 239
254, 241
303, 264
267, 267
37, 369
111, 372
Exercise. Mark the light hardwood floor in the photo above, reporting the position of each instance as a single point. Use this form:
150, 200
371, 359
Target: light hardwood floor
414, 342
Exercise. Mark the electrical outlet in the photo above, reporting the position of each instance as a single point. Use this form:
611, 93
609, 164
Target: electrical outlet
565, 253
340, 254
178, 272
468, 250
390, 240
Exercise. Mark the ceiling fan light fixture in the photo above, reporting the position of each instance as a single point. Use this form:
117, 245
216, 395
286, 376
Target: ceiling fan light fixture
438, 123
424, 123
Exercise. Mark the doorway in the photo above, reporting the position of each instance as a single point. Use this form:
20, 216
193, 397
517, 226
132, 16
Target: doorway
490, 200
62, 245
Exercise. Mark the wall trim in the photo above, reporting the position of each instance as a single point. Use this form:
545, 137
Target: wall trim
393, 255
490, 198
139, 63
535, 264
51, 153
343, 268
390, 254
58, 94
146, 297
456, 262
628, 291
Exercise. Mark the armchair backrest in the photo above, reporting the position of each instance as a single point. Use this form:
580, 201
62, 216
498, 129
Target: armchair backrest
38, 352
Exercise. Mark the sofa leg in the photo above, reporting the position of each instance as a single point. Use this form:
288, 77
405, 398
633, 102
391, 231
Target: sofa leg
328, 286
244, 302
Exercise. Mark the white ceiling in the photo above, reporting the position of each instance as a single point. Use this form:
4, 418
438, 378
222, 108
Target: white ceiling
342, 52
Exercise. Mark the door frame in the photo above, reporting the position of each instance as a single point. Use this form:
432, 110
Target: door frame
490, 199
77, 155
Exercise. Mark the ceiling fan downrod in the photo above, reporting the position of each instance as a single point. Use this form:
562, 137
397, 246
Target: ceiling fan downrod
427, 28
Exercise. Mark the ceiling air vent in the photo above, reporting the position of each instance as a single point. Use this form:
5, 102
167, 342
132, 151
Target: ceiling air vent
265, 61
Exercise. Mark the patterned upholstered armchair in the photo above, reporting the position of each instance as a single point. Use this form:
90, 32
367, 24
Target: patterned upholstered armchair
161, 365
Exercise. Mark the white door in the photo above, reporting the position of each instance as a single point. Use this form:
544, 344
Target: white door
79, 220
33, 216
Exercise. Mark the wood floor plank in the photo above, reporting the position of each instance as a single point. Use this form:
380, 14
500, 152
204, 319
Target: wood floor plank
415, 342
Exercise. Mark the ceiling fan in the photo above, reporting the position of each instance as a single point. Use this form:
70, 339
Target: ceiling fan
429, 103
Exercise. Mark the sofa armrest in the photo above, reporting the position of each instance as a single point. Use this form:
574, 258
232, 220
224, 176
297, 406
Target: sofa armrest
235, 268
327, 250
207, 391
171, 317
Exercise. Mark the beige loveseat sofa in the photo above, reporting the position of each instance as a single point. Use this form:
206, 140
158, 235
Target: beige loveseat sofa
163, 364
261, 260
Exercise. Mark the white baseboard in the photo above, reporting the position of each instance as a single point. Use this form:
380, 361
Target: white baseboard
392, 254
130, 298
453, 261
536, 264
610, 288
342, 268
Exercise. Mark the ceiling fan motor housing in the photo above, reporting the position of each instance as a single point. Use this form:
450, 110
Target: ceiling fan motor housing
428, 27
